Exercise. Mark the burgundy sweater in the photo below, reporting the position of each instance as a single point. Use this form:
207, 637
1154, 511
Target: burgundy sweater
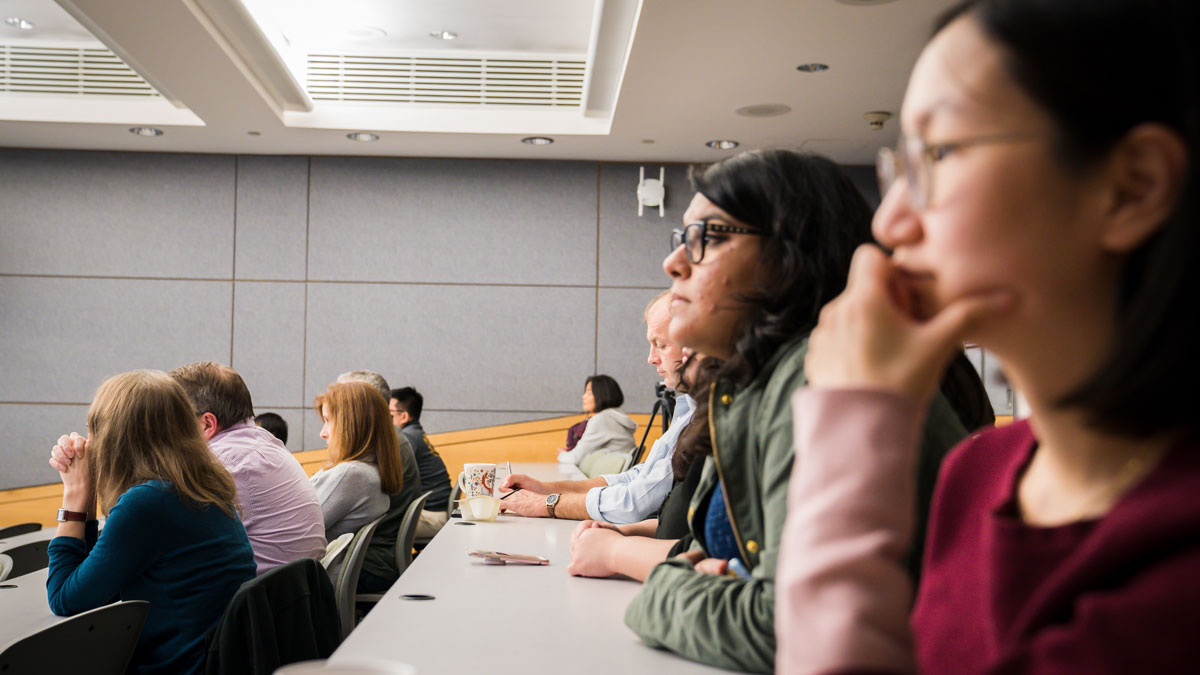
1116, 595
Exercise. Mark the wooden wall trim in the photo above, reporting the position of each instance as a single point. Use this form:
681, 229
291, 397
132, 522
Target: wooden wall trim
535, 441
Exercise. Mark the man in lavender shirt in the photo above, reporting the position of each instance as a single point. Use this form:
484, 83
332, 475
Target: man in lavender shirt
279, 506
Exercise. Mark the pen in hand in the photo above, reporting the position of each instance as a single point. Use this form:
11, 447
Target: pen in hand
510, 494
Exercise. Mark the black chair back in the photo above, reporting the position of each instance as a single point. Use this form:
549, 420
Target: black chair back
408, 531
98, 642
15, 530
288, 614
28, 558
347, 579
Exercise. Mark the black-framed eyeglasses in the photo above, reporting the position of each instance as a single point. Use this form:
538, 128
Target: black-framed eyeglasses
914, 157
695, 237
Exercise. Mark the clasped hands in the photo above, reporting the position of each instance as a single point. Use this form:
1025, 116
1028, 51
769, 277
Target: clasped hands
71, 457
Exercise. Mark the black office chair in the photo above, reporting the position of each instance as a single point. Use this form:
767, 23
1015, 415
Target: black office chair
404, 543
408, 531
28, 558
15, 530
98, 642
347, 579
287, 615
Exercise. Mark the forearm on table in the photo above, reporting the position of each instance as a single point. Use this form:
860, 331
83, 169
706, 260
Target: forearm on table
636, 557
571, 506
646, 528
573, 486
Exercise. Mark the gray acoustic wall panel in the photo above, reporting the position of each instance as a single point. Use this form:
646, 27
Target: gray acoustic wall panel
632, 248
622, 349
62, 337
493, 286
866, 179
272, 217
505, 349
116, 214
268, 341
29, 433
452, 221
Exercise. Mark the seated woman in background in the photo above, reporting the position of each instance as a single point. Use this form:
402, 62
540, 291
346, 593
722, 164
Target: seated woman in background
608, 429
1043, 203
364, 468
172, 534
602, 549
767, 241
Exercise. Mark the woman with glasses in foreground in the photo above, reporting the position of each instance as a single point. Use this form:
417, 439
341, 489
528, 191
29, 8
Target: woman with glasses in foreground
1044, 206
768, 242
172, 536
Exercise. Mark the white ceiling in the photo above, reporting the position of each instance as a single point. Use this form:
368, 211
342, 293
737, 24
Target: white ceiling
529, 25
692, 63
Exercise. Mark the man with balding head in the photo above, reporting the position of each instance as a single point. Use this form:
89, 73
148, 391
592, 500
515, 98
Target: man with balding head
636, 494
279, 506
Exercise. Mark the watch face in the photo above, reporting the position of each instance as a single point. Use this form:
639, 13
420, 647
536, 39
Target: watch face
552, 499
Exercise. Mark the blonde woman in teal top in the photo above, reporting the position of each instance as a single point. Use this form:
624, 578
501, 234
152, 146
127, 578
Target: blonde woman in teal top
172, 535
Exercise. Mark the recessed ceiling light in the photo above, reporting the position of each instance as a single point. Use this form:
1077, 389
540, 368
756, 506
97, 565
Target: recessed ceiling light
724, 144
764, 110
145, 131
362, 136
366, 34
18, 22
537, 140
812, 67
443, 34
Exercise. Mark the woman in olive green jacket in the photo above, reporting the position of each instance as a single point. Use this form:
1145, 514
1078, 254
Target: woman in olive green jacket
767, 242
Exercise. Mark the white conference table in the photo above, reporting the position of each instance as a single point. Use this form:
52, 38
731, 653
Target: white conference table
516, 618
24, 609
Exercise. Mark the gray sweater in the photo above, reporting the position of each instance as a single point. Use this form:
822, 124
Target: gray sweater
350, 496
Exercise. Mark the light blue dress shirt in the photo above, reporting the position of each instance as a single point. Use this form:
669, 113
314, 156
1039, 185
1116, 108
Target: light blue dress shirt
636, 494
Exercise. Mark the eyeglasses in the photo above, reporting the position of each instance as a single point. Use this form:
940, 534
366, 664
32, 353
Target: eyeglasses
696, 236
913, 160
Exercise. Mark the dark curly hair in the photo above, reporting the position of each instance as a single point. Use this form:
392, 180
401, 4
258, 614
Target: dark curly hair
813, 218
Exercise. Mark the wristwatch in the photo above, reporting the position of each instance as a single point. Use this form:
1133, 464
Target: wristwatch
76, 516
551, 501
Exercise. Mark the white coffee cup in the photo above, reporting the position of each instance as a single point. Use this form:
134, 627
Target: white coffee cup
482, 507
477, 480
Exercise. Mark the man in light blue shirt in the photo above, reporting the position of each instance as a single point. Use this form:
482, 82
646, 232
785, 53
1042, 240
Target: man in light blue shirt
638, 493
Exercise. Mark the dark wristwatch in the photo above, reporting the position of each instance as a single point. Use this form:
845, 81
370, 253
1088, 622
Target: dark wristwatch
551, 501
71, 516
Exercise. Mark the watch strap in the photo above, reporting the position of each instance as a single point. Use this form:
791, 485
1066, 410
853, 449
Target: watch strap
71, 516
551, 503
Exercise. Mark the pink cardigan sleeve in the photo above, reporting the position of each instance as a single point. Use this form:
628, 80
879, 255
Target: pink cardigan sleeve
843, 595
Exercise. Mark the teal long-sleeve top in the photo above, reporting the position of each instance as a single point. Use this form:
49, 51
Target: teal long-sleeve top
186, 561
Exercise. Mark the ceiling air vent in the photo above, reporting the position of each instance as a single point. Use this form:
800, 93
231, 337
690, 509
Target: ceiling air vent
482, 81
78, 71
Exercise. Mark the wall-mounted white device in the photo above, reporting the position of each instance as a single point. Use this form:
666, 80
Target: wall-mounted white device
652, 191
